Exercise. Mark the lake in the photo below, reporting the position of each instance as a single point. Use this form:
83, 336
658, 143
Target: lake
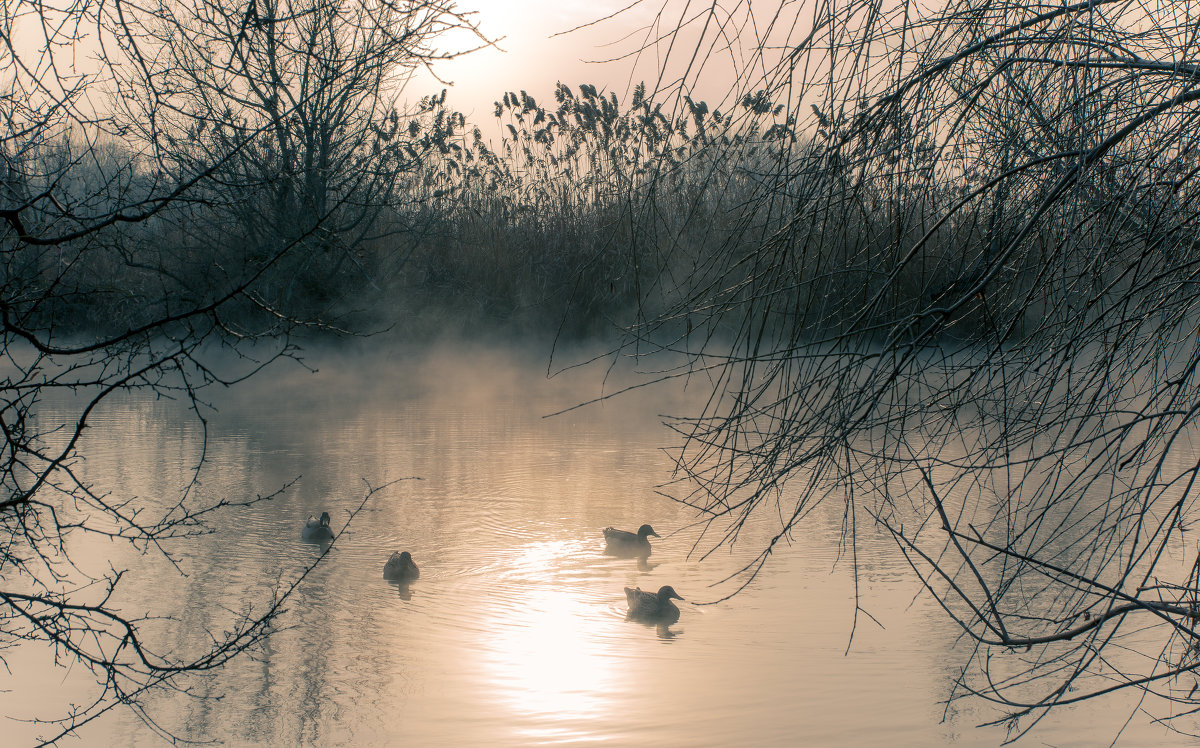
516, 633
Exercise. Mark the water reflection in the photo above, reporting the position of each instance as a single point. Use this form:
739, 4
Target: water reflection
644, 565
547, 654
516, 633
546, 651
403, 590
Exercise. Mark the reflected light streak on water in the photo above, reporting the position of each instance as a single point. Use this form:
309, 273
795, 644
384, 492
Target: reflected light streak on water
544, 665
547, 653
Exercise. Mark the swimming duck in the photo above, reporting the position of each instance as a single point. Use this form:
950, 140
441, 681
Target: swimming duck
400, 568
653, 607
317, 529
625, 543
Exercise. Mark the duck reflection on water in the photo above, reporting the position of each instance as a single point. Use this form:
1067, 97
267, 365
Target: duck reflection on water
644, 564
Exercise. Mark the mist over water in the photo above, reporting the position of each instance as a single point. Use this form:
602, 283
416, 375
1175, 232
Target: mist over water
515, 634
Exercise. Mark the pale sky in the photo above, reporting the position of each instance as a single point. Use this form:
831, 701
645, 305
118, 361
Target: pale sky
534, 52
531, 59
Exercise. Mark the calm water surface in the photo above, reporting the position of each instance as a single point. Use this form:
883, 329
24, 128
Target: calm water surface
515, 634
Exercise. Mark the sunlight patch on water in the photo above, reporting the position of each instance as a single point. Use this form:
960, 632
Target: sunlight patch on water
536, 559
545, 654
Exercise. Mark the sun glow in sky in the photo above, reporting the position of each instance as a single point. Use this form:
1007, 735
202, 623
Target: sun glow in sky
612, 44
530, 56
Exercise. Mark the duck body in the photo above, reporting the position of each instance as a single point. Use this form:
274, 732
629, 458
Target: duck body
400, 568
317, 529
625, 543
653, 607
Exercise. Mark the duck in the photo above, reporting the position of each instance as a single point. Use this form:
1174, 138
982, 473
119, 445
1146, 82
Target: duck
317, 529
400, 568
625, 543
653, 607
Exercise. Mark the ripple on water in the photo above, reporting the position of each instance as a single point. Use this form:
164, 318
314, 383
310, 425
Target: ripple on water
516, 632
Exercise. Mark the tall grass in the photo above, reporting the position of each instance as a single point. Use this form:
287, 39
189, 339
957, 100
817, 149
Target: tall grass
585, 216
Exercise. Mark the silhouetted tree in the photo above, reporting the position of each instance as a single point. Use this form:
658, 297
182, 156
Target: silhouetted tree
297, 100
967, 313
107, 177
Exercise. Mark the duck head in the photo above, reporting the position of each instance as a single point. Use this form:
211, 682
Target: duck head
325, 519
645, 531
667, 592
